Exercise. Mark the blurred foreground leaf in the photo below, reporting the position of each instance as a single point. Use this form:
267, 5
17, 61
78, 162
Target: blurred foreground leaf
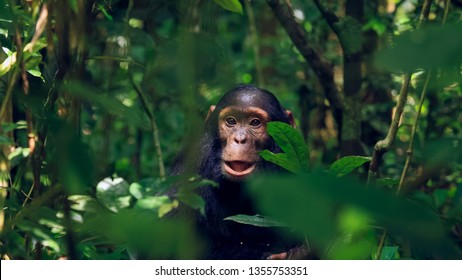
429, 47
346, 248
147, 235
308, 203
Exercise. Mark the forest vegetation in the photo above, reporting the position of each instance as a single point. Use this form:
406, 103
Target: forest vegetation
99, 97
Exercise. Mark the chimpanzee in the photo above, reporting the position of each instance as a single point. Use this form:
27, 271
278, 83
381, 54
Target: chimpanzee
235, 131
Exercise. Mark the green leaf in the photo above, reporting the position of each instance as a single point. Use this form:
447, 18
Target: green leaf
387, 182
295, 156
346, 165
145, 187
194, 183
389, 252
18, 155
152, 203
113, 193
8, 63
283, 160
40, 232
105, 13
257, 220
230, 5
167, 207
85, 203
6, 127
35, 73
193, 200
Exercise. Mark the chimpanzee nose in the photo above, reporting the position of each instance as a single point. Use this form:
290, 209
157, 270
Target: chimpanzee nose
240, 137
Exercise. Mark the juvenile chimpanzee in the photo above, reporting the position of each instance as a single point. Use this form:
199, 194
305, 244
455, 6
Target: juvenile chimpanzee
235, 131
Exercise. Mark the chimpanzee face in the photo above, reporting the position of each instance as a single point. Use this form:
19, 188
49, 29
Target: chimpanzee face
242, 132
239, 120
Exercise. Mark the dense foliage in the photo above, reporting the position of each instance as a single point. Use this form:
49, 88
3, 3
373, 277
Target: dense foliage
98, 97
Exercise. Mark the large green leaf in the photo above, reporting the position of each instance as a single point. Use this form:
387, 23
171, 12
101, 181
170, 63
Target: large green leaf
283, 160
256, 220
346, 165
295, 156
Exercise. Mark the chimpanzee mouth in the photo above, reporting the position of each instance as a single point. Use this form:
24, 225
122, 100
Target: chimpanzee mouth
239, 168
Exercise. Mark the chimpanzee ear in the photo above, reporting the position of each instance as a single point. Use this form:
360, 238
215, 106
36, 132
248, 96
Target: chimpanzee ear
291, 118
211, 109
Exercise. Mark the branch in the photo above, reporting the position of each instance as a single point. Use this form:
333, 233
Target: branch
322, 69
382, 146
152, 119
410, 149
330, 18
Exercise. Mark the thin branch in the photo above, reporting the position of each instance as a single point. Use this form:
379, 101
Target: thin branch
330, 17
381, 244
255, 43
152, 120
144, 101
322, 69
382, 146
410, 149
424, 13
447, 4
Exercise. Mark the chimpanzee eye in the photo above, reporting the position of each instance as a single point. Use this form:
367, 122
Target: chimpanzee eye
230, 121
255, 122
